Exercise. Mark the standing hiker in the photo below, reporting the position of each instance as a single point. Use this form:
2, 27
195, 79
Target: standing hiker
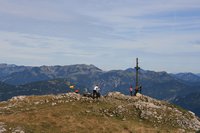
136, 90
95, 91
140, 89
131, 90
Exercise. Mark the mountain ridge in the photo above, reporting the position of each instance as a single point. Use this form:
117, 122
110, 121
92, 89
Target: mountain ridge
88, 75
18, 75
38, 80
188, 77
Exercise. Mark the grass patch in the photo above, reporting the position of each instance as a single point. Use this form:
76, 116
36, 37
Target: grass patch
77, 116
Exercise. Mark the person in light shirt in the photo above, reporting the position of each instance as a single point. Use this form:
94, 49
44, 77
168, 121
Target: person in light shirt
96, 88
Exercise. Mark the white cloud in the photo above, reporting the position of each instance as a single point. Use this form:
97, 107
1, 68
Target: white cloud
38, 10
99, 32
28, 47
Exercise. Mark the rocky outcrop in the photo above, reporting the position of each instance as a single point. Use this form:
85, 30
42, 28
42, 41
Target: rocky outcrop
157, 112
120, 106
2, 127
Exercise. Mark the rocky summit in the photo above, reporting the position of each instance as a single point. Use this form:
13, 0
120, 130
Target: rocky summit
115, 112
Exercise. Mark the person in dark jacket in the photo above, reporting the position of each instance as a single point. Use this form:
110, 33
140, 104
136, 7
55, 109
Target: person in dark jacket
140, 89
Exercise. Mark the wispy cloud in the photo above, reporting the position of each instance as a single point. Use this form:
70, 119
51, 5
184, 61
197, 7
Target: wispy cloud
101, 32
45, 49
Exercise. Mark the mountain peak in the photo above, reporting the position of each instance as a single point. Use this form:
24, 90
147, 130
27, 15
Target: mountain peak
18, 75
113, 112
3, 65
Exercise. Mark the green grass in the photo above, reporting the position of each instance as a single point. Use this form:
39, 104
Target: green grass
73, 117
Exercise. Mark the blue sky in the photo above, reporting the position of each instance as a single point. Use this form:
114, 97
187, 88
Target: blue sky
164, 35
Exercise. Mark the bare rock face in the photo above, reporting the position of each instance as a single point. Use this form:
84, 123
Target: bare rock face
17, 98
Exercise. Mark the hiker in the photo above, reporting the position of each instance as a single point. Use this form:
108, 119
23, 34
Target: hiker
131, 90
98, 92
140, 89
95, 91
136, 90
77, 91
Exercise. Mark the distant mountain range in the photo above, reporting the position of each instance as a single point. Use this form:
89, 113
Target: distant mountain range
28, 80
19, 75
188, 77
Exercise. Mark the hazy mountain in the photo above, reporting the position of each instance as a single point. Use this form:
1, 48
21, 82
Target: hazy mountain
53, 79
188, 77
160, 85
156, 84
18, 75
6, 69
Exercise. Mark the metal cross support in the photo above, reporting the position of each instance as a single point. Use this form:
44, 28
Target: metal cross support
136, 83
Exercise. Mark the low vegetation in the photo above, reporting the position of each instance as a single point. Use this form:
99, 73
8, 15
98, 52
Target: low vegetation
114, 113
